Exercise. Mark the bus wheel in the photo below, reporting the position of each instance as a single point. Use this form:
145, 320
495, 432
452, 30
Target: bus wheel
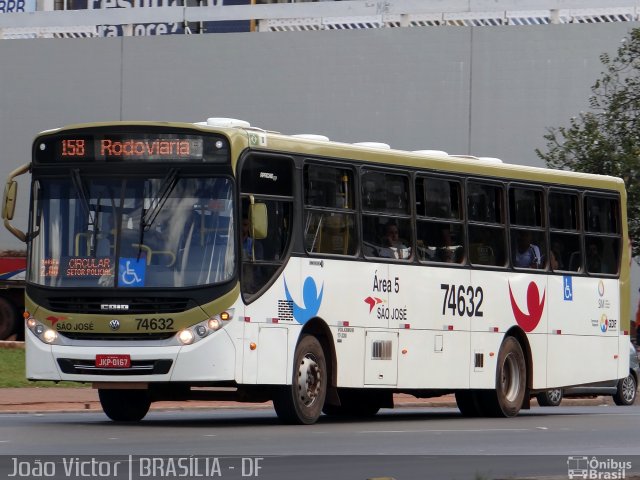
302, 401
511, 377
124, 405
626, 391
550, 398
469, 403
8, 318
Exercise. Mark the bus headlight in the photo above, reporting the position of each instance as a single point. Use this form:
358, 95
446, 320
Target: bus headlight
214, 324
44, 333
203, 329
186, 337
49, 336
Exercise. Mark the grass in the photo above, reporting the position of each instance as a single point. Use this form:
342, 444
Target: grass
12, 373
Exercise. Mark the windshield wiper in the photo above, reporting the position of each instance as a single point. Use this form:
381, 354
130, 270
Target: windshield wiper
149, 216
166, 187
82, 194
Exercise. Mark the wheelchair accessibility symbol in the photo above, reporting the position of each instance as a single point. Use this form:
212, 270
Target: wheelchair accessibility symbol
567, 282
132, 272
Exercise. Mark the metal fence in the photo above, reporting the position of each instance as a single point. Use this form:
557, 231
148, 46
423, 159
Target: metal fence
46, 18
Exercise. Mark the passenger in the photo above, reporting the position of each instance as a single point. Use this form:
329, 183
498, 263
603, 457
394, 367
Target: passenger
447, 251
393, 247
527, 254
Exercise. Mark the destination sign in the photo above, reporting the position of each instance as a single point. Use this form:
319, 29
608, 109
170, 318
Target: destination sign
101, 146
125, 148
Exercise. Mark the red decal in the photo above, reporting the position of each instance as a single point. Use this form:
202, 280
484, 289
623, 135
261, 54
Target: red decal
535, 306
55, 320
372, 302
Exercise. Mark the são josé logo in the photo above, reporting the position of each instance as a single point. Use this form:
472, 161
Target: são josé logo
311, 300
535, 306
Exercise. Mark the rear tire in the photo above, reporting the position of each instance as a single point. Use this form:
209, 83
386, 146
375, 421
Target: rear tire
124, 405
550, 398
511, 381
626, 393
301, 402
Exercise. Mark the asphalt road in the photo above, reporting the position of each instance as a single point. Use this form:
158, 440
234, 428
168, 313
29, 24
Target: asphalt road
403, 444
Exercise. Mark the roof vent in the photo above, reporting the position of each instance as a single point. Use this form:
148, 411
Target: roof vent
432, 153
227, 122
466, 157
311, 136
382, 146
490, 159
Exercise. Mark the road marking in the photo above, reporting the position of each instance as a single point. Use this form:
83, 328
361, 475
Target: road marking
481, 430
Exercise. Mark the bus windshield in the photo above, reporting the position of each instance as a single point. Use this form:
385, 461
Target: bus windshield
132, 232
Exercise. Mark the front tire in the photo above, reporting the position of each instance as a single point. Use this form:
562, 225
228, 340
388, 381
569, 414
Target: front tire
301, 402
550, 398
626, 393
124, 405
511, 380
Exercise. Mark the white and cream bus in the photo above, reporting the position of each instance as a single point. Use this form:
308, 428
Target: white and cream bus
216, 260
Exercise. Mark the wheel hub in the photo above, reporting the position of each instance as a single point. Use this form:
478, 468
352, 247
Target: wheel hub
309, 380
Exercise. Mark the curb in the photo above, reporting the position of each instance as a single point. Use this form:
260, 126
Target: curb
11, 344
94, 407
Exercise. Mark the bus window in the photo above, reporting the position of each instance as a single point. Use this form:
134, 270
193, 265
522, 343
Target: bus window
487, 242
484, 203
330, 217
602, 240
563, 211
601, 215
525, 207
565, 249
386, 221
442, 240
528, 245
385, 193
263, 257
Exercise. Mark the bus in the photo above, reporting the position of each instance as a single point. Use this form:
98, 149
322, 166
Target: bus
222, 261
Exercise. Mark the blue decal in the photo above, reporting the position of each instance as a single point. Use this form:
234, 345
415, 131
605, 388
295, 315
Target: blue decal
131, 272
311, 298
567, 283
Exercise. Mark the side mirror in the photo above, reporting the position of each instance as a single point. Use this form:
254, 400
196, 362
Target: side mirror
9, 203
258, 219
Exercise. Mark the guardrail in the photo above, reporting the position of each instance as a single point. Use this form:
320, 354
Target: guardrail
322, 15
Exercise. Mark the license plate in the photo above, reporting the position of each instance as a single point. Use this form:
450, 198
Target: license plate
113, 361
